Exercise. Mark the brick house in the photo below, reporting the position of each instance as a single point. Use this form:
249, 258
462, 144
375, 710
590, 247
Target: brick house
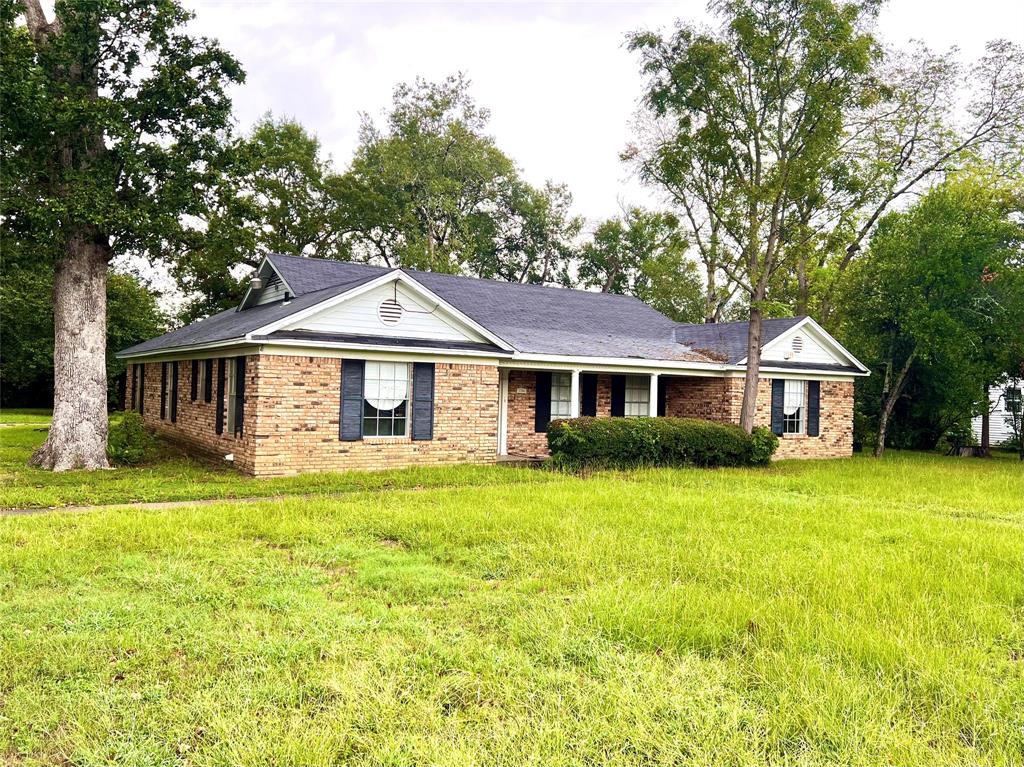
328, 365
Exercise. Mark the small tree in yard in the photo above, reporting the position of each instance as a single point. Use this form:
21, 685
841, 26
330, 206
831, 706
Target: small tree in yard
757, 114
935, 286
110, 111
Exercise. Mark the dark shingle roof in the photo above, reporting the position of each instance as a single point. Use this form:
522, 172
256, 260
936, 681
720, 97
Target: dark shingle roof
533, 319
728, 340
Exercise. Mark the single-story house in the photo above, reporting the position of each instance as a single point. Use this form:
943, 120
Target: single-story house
328, 365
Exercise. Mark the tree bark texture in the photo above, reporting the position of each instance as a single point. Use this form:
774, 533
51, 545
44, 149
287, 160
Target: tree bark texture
986, 413
750, 379
78, 431
890, 396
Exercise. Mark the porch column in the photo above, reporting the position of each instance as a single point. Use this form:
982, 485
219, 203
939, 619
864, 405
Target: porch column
652, 405
574, 394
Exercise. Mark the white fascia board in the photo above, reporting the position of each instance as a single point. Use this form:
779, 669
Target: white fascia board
394, 275
175, 352
739, 371
823, 335
610, 364
370, 352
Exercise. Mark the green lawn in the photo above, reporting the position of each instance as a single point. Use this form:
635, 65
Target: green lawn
25, 415
848, 612
176, 477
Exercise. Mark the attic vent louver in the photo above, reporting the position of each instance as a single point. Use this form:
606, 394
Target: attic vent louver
798, 344
390, 311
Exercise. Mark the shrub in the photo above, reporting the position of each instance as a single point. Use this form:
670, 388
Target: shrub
765, 443
130, 442
629, 442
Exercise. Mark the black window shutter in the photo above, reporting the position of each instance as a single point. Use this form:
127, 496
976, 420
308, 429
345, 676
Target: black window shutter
195, 379
135, 386
542, 403
208, 381
174, 392
423, 400
588, 394
778, 398
163, 390
662, 396
350, 426
239, 396
220, 395
813, 407
618, 396
142, 388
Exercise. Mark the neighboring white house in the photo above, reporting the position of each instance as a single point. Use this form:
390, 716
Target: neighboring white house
1001, 399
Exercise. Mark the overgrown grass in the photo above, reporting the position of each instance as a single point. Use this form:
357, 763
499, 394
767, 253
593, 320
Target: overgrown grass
176, 477
847, 612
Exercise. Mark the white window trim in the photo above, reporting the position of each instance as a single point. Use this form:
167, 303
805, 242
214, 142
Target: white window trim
640, 401
561, 384
408, 403
230, 371
801, 411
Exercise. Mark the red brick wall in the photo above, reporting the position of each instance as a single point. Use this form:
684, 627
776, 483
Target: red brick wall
695, 397
299, 404
522, 408
835, 438
197, 421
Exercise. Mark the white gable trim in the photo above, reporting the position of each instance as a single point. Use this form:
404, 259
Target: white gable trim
398, 275
259, 269
831, 344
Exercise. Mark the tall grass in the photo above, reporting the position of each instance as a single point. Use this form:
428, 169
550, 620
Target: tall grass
852, 612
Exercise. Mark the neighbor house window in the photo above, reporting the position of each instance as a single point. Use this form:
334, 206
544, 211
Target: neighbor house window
793, 407
385, 399
1012, 399
561, 395
638, 396
200, 386
230, 390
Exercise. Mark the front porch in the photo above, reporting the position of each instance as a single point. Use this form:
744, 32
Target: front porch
531, 398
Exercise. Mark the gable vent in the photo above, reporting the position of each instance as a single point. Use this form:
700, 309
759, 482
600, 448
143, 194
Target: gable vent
390, 311
272, 281
798, 344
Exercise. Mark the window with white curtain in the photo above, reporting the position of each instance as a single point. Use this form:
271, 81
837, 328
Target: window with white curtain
561, 395
230, 390
385, 399
638, 396
793, 407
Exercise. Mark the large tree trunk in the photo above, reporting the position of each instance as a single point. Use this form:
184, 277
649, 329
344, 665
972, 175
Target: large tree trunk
750, 380
78, 432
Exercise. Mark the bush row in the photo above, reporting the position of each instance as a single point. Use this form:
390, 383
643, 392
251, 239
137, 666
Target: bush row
629, 442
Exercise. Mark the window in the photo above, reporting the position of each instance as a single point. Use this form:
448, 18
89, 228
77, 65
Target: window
561, 395
232, 392
385, 399
1012, 399
638, 396
200, 385
163, 390
793, 407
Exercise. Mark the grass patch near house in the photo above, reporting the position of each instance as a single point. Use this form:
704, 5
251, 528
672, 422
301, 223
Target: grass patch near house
844, 612
26, 415
175, 476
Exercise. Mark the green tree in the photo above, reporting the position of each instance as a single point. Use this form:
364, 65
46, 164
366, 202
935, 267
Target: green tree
111, 111
934, 291
644, 254
753, 117
432, 191
270, 192
26, 316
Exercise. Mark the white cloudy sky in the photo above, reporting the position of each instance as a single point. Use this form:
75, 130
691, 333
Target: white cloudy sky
560, 85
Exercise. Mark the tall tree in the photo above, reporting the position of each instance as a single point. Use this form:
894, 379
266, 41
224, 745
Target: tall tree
644, 254
110, 109
937, 286
431, 190
269, 191
756, 112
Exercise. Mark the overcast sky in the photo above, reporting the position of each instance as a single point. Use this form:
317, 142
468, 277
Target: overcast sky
560, 85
